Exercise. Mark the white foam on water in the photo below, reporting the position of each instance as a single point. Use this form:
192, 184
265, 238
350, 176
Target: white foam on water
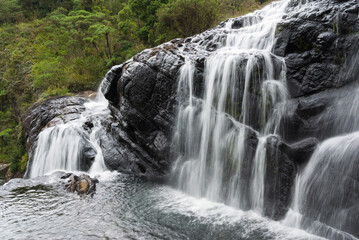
174, 201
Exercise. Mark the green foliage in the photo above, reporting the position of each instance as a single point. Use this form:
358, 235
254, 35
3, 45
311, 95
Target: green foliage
53, 92
19, 160
12, 146
23, 162
6, 133
182, 18
144, 12
10, 11
247, 6
40, 8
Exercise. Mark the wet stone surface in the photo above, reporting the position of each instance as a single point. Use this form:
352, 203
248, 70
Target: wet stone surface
82, 184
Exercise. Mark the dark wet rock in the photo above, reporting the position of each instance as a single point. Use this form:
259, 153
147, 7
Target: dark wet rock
109, 85
143, 106
325, 39
301, 151
66, 175
283, 161
321, 115
123, 153
87, 157
3, 169
83, 184
279, 179
11, 175
318, 39
251, 140
88, 126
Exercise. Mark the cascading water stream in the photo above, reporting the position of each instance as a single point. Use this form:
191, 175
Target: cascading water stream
62, 147
326, 196
244, 86
245, 90
325, 200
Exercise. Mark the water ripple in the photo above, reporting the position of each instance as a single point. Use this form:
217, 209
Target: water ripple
125, 208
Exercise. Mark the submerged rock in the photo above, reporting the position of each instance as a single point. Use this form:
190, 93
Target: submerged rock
83, 184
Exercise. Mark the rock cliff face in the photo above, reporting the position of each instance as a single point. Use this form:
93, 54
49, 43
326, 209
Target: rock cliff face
320, 43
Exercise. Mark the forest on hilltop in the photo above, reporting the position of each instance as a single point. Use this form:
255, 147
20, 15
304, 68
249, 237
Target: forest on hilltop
58, 47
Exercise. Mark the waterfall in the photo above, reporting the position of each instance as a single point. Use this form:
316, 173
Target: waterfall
258, 173
325, 201
244, 87
64, 146
326, 196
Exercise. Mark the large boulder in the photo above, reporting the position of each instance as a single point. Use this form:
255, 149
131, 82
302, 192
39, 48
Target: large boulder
282, 162
122, 154
319, 41
142, 96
